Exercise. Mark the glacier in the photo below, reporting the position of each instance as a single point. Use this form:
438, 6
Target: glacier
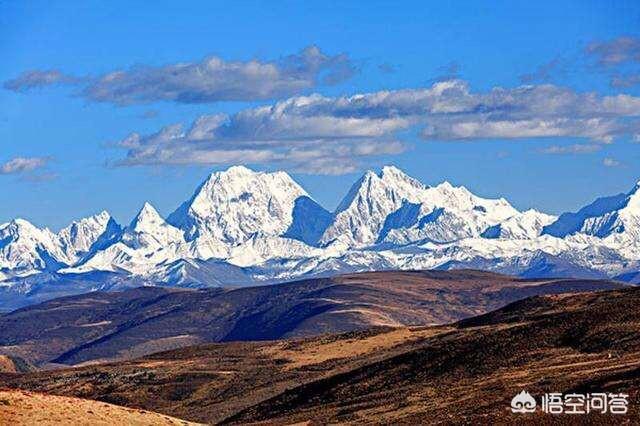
245, 227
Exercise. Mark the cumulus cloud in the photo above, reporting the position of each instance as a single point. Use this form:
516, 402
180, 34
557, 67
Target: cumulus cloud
616, 51
543, 111
610, 162
23, 165
36, 79
619, 58
572, 149
616, 59
210, 80
321, 134
625, 81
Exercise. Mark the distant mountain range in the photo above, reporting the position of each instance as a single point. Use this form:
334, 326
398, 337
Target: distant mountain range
243, 227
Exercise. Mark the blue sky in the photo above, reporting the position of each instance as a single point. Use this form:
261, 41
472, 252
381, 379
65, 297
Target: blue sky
68, 120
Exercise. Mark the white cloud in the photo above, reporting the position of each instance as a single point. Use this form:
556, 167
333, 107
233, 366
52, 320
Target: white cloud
625, 81
610, 162
316, 129
571, 149
21, 165
618, 58
34, 79
210, 80
616, 51
484, 128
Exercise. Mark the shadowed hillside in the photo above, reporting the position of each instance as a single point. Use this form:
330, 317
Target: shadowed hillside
466, 372
10, 364
123, 325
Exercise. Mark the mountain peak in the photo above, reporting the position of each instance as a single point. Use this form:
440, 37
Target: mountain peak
147, 208
238, 170
85, 235
99, 218
147, 215
149, 232
233, 204
22, 227
394, 174
606, 216
391, 170
634, 198
368, 176
233, 172
22, 223
26, 248
347, 200
445, 184
103, 215
362, 212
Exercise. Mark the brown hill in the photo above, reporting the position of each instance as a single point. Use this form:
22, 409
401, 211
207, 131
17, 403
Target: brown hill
22, 408
10, 364
464, 373
108, 326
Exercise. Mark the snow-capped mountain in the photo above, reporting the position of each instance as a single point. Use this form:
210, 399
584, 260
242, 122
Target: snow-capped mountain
449, 214
521, 226
392, 207
605, 217
150, 232
361, 215
145, 243
86, 235
247, 227
613, 221
25, 249
233, 205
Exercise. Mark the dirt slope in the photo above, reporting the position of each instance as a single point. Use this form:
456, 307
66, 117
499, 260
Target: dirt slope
466, 372
117, 326
10, 364
21, 408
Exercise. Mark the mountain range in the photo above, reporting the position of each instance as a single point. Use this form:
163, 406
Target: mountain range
243, 227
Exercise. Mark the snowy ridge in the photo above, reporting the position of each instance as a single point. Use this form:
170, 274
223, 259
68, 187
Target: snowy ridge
146, 242
361, 214
522, 225
80, 237
242, 227
231, 206
25, 249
